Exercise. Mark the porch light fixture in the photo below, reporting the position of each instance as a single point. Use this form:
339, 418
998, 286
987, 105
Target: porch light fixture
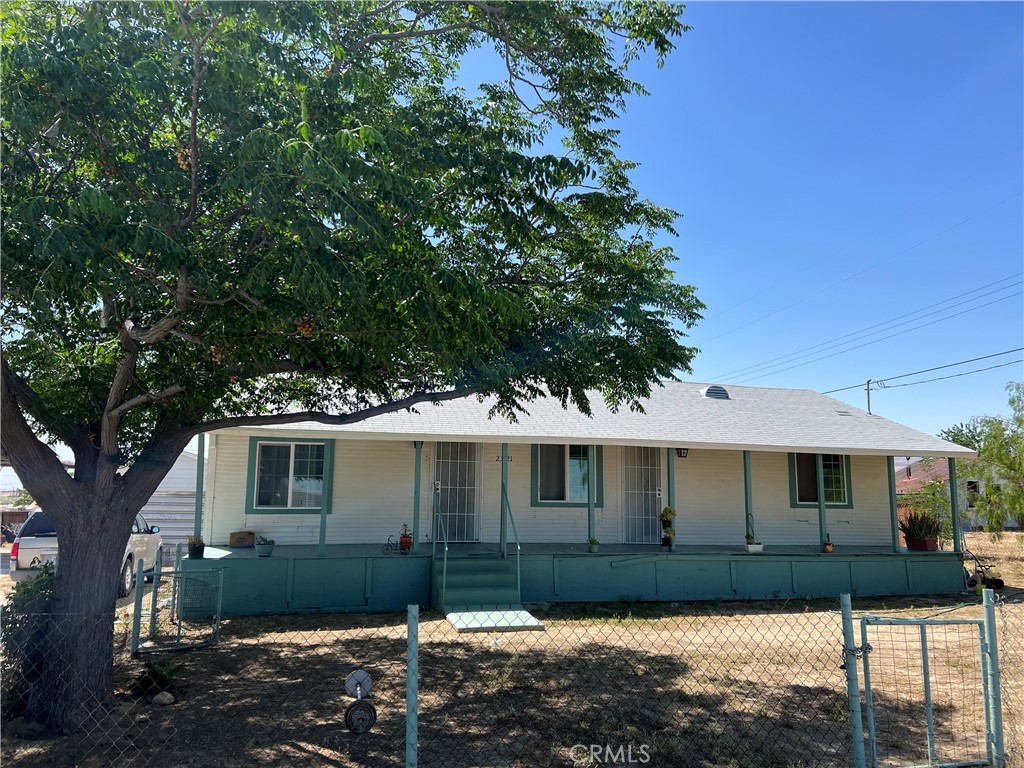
682, 452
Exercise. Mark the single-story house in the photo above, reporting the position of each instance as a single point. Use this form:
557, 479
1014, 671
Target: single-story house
501, 512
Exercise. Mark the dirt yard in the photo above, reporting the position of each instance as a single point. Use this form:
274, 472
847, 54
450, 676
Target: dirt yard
743, 685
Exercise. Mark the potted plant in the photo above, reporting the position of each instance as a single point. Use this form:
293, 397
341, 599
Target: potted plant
196, 547
592, 545
264, 546
921, 531
405, 540
828, 546
753, 545
668, 514
667, 535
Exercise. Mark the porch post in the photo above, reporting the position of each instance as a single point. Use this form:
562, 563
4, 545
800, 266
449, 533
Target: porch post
819, 465
894, 515
591, 492
954, 503
416, 497
197, 526
503, 531
748, 494
670, 453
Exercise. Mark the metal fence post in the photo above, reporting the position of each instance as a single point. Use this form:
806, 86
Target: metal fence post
137, 616
852, 684
156, 589
995, 699
412, 738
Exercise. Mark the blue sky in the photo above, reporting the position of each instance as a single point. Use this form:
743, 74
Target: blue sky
838, 166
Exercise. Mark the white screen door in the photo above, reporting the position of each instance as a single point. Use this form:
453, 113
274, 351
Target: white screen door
455, 470
641, 495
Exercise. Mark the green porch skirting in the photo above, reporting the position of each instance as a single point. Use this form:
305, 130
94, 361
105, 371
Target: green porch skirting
305, 583
353, 578
738, 577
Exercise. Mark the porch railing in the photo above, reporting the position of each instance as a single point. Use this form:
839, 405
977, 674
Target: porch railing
440, 529
519, 549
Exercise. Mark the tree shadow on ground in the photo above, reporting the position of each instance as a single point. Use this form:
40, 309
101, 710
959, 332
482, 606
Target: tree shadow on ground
273, 695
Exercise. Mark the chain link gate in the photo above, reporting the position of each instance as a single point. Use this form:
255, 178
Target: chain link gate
931, 690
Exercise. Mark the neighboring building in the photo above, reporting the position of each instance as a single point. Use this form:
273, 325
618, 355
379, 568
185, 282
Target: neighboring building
919, 472
729, 460
173, 505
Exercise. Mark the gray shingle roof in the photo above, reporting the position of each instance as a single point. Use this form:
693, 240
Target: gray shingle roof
676, 414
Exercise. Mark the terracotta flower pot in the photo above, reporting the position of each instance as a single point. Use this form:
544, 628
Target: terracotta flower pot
404, 543
931, 544
828, 547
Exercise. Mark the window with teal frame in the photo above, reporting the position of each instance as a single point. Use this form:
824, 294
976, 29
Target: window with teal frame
803, 480
289, 476
560, 475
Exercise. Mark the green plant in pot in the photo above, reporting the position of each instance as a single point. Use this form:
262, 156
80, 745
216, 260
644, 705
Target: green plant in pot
667, 535
592, 544
196, 547
668, 514
921, 530
753, 545
264, 546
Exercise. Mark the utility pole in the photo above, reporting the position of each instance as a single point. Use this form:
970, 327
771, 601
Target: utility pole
869, 396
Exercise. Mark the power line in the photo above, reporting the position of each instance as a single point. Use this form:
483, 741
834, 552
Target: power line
869, 343
880, 382
797, 355
951, 376
866, 269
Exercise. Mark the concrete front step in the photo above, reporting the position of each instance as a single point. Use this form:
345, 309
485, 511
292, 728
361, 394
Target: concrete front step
492, 618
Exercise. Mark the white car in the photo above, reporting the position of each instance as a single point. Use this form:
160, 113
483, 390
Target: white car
36, 544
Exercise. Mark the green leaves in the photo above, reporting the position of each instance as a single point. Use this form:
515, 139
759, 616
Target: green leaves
293, 203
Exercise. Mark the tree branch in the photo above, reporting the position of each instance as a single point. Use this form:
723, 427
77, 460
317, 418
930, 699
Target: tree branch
35, 462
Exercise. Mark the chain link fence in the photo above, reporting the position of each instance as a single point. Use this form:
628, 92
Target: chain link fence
689, 684
693, 685
181, 610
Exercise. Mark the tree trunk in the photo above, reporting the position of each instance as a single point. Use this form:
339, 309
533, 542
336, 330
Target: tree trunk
75, 683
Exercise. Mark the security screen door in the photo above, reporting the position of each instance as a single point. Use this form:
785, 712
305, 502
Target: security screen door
641, 502
455, 470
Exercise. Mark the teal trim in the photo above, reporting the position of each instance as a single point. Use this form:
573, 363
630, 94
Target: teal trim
535, 482
794, 504
417, 479
328, 488
503, 523
894, 515
748, 494
671, 458
591, 495
819, 468
954, 503
197, 526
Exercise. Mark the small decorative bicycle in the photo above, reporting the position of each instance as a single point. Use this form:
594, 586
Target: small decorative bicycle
402, 546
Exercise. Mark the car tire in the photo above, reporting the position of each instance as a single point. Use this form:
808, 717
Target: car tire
126, 580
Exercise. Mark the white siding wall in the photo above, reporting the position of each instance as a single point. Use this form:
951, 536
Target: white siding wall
550, 524
710, 501
373, 485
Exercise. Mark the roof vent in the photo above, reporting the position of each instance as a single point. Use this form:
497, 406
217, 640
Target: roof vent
715, 392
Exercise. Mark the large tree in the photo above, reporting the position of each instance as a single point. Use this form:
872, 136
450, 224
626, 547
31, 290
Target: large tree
225, 214
999, 442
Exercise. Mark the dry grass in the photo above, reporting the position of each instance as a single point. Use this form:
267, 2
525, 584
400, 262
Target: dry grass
752, 685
